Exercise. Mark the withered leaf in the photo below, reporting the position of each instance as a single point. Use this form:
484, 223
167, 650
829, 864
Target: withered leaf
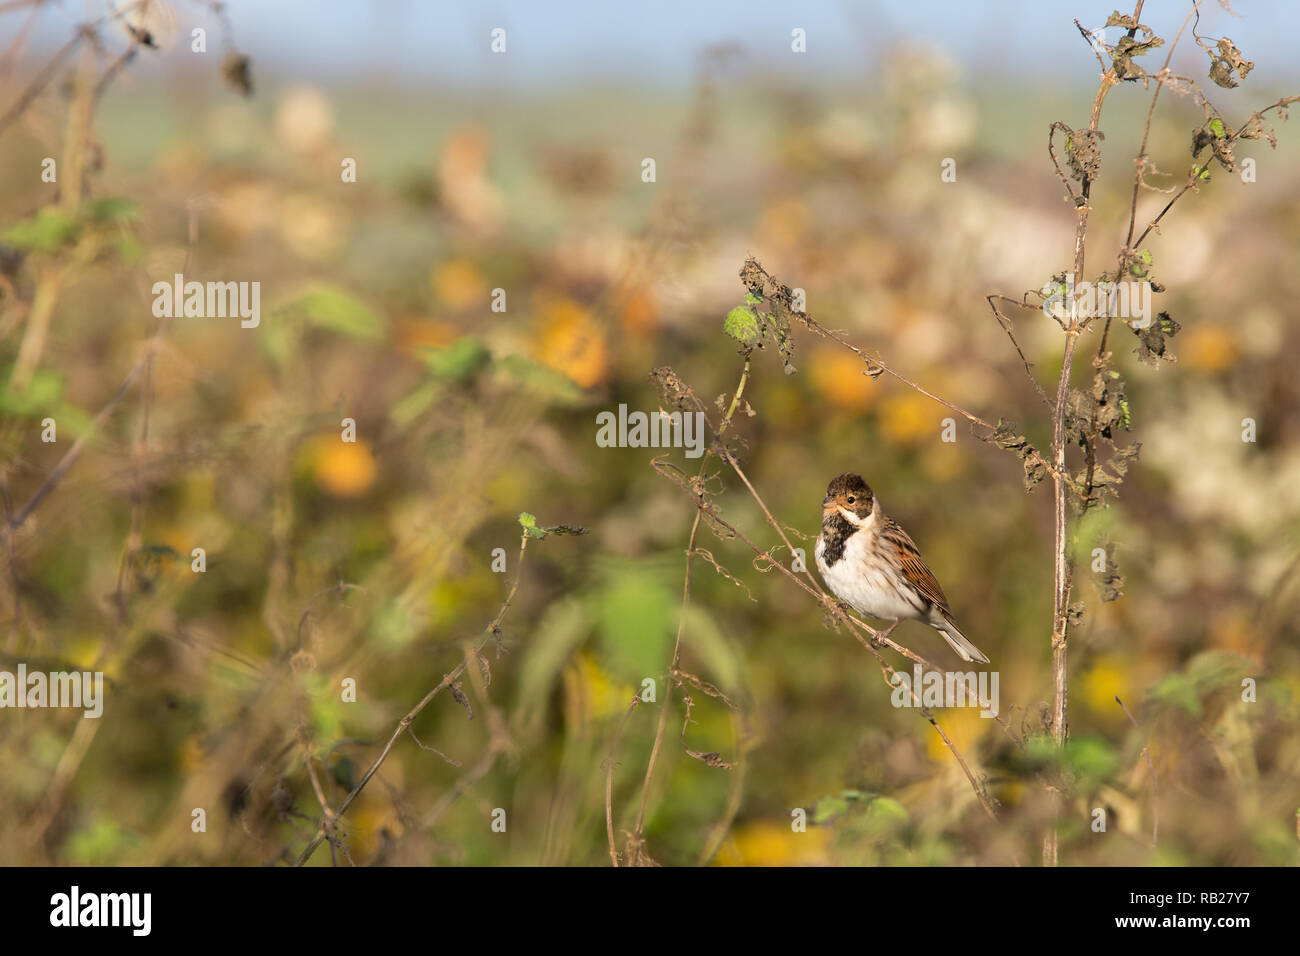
236, 70
1228, 61
1152, 345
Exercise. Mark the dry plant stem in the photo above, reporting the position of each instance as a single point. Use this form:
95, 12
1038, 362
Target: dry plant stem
84, 736
734, 794
1060, 553
1155, 785
462, 784
609, 780
1061, 567
15, 582
327, 814
64, 773
1011, 334
651, 764
875, 364
84, 32
448, 679
42, 78
68, 460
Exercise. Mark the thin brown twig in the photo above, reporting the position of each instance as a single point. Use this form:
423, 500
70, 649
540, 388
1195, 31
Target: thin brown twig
609, 779
636, 841
402, 725
1155, 784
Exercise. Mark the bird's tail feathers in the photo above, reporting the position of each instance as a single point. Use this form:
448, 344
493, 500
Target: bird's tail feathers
964, 648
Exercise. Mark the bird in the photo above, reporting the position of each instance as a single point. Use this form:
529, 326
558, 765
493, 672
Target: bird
871, 564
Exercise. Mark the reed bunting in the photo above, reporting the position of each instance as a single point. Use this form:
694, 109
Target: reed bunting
870, 563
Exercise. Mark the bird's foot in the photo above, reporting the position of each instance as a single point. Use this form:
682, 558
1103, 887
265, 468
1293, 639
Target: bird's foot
882, 636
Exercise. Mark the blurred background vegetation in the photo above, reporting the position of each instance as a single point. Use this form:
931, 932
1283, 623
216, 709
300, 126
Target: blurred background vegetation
376, 305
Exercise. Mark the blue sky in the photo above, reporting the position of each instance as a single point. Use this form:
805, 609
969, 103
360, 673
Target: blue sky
655, 42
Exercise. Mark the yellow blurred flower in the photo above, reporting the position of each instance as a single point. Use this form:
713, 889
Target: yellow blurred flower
571, 341
774, 844
1107, 679
837, 374
1208, 348
342, 469
458, 284
964, 727
191, 755
909, 418
592, 693
370, 818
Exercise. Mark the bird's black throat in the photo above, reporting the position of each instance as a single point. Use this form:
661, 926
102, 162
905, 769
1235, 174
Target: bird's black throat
835, 533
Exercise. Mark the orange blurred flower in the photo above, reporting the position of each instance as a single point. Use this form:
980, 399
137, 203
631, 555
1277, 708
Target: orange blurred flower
909, 418
638, 310
1208, 348
571, 341
415, 333
342, 469
838, 377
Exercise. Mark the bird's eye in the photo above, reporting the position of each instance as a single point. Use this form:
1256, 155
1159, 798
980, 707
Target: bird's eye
850, 499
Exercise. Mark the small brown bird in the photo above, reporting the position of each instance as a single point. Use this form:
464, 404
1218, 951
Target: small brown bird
870, 563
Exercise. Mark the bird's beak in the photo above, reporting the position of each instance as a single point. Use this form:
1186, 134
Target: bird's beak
828, 504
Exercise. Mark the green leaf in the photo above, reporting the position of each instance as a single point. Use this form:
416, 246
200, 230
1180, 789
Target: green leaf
40, 398
636, 623
459, 361
742, 325
1092, 758
1216, 127
828, 808
722, 661
47, 231
885, 816
542, 381
332, 308
410, 407
562, 629
130, 249
111, 209
534, 530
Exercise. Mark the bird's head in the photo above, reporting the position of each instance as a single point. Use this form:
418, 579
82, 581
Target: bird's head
850, 496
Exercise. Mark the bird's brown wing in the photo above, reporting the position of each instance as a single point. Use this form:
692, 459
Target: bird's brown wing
914, 568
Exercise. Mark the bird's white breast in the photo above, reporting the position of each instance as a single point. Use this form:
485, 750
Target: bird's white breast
864, 582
